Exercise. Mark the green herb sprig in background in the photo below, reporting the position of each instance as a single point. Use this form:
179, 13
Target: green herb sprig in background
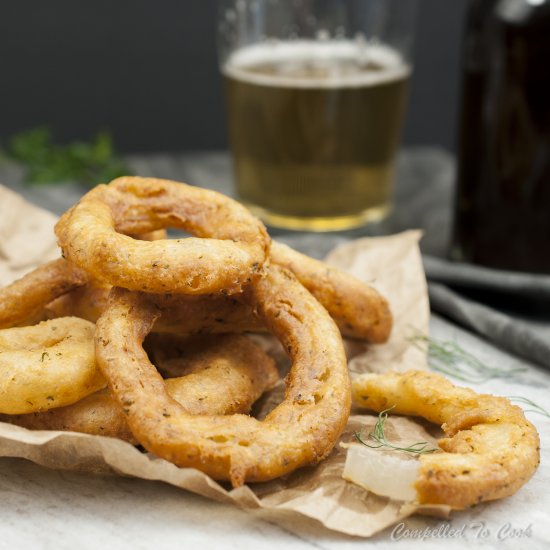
452, 360
534, 407
87, 163
449, 358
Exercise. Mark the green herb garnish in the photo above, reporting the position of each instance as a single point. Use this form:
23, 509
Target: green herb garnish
534, 407
88, 163
378, 437
449, 358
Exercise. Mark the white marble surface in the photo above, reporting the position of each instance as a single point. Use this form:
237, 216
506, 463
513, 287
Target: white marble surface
42, 508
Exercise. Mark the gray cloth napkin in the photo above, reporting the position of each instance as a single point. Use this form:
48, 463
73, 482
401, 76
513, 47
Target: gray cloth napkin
510, 309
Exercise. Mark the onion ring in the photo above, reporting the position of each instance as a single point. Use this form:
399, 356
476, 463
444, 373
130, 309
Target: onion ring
302, 430
358, 309
225, 377
47, 365
181, 314
23, 300
93, 235
490, 451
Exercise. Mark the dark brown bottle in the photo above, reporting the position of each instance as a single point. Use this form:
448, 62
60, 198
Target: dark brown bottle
502, 212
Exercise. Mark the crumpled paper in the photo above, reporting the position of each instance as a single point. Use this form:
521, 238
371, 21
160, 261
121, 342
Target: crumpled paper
391, 264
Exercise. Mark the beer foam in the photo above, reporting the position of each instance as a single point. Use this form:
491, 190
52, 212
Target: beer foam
329, 64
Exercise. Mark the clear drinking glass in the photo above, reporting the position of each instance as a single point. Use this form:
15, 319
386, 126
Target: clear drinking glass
316, 93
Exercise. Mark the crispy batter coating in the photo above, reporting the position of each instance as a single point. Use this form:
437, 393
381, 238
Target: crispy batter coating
47, 365
232, 249
225, 375
490, 451
181, 314
86, 302
358, 309
23, 300
302, 430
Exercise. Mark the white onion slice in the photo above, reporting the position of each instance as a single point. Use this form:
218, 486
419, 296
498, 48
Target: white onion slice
381, 472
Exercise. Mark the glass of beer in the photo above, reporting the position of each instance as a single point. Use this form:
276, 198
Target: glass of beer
316, 93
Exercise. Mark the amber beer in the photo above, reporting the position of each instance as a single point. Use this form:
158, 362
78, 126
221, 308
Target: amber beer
314, 128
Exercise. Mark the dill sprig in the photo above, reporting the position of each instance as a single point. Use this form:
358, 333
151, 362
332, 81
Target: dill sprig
378, 436
534, 407
449, 358
44, 161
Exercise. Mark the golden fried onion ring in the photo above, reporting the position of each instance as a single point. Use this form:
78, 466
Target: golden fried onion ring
23, 300
225, 375
358, 309
93, 235
302, 430
181, 314
490, 451
47, 365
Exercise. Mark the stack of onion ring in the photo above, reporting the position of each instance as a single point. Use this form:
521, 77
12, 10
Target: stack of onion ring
222, 280
120, 271
222, 376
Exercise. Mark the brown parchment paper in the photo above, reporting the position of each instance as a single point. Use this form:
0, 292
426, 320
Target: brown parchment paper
391, 264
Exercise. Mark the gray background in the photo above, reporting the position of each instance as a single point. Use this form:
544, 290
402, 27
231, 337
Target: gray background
147, 71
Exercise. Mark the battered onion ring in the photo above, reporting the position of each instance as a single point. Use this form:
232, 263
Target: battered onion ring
302, 430
491, 449
23, 300
47, 365
175, 355
222, 376
93, 235
181, 314
358, 309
